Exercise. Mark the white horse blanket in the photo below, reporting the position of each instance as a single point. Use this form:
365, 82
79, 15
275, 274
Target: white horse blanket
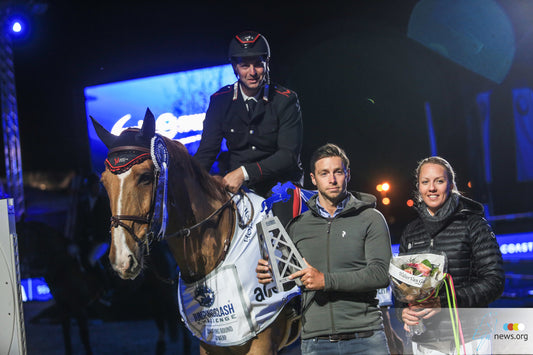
229, 306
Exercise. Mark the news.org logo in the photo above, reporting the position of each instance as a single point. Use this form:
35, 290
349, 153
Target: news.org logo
514, 326
509, 334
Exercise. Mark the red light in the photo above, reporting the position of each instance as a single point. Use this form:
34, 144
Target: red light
410, 203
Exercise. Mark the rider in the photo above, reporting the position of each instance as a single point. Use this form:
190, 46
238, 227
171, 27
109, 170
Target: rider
261, 122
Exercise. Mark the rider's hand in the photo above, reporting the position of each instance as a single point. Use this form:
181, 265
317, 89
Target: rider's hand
234, 180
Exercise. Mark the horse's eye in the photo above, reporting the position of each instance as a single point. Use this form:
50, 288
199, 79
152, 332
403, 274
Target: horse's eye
146, 179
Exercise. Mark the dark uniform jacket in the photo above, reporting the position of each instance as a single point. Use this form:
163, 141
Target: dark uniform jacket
268, 144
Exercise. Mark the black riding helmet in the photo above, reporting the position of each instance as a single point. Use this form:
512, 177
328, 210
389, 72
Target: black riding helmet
250, 44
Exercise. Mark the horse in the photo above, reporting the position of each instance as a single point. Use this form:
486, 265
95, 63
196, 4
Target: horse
157, 190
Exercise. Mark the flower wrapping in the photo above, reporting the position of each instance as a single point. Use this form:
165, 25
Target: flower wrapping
415, 277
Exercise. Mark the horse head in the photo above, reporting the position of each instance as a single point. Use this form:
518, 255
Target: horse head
129, 180
132, 181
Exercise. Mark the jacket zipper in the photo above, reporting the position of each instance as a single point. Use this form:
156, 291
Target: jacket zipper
328, 263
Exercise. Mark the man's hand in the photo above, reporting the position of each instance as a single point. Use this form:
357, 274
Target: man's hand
311, 278
233, 180
263, 272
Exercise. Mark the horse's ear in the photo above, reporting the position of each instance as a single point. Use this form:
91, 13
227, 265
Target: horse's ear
148, 128
106, 137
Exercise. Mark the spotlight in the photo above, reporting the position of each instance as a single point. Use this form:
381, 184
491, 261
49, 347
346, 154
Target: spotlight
17, 24
16, 27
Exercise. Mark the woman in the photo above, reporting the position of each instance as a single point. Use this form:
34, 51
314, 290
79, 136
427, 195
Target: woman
451, 223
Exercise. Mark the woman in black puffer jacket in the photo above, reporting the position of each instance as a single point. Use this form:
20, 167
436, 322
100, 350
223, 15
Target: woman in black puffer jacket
451, 223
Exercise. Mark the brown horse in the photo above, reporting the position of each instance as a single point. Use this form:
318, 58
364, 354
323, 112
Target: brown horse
201, 233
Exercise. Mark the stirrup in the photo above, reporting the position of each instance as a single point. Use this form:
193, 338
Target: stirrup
283, 256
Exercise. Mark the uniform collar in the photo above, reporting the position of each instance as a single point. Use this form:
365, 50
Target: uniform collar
246, 97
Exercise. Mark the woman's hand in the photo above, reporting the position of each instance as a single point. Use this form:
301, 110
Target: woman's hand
424, 310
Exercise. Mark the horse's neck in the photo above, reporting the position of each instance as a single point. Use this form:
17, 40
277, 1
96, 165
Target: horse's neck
199, 253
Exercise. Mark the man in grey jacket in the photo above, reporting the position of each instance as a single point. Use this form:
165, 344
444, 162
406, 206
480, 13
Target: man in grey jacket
346, 244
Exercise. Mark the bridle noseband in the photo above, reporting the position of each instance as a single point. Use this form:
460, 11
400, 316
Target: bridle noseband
116, 221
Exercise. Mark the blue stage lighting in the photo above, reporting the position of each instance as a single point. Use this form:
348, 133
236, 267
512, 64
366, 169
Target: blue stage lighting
178, 100
16, 27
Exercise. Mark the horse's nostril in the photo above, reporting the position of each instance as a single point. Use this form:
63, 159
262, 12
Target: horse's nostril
133, 264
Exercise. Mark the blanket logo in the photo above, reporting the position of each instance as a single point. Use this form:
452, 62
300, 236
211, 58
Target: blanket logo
204, 296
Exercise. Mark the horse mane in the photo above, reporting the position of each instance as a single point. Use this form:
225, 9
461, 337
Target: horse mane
212, 185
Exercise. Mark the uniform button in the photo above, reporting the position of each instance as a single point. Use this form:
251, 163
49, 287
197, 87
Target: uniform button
232, 130
251, 131
253, 147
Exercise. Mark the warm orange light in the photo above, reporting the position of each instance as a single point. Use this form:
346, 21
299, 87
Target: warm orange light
469, 184
385, 186
379, 187
385, 201
410, 203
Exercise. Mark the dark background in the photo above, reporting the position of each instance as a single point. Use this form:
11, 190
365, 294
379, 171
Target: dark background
361, 81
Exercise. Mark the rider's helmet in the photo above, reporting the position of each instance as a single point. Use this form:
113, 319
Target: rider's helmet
250, 44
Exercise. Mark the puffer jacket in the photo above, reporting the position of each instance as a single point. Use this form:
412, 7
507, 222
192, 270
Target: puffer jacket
353, 251
473, 256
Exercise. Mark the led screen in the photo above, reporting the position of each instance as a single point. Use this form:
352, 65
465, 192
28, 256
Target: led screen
178, 101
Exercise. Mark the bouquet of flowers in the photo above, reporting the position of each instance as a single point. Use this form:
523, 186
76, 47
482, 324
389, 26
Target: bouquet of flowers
416, 277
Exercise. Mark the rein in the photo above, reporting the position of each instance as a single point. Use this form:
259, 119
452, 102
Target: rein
185, 232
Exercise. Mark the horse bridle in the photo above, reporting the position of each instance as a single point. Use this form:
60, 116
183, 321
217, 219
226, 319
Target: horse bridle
144, 242
149, 237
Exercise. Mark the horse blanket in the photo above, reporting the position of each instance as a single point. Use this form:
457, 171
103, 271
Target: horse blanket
229, 306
